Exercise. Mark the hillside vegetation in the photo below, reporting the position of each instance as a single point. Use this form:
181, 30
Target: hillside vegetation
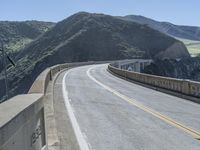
192, 46
189, 35
89, 37
182, 69
16, 35
180, 31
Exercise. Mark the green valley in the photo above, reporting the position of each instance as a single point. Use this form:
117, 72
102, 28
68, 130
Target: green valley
192, 46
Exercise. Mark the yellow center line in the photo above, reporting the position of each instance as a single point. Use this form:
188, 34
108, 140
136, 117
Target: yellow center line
134, 102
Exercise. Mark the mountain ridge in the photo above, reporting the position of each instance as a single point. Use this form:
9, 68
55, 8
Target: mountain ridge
181, 31
82, 21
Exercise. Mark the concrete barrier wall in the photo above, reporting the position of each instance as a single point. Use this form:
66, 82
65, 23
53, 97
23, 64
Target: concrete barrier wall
54, 70
22, 123
185, 87
40, 84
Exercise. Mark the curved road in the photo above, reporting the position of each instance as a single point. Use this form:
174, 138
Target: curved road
109, 113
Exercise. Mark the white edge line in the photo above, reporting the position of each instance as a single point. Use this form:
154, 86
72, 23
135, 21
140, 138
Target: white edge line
79, 136
101, 84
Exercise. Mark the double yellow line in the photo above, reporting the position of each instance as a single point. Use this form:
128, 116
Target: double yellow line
131, 101
168, 120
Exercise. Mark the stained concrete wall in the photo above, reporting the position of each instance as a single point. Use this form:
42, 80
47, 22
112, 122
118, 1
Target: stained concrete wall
22, 123
185, 88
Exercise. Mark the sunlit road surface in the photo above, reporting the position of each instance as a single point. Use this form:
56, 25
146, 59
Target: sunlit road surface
109, 113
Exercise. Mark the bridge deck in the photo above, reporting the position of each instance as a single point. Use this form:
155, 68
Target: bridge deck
115, 114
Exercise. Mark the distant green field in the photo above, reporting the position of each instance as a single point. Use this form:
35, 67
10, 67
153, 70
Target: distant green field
192, 46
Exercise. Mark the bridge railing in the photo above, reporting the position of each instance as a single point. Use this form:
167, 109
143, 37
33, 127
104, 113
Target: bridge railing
184, 88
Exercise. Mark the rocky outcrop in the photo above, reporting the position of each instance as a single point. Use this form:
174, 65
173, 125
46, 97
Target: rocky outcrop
181, 68
177, 50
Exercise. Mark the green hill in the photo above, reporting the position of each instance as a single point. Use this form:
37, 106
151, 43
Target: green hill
180, 31
192, 46
17, 35
189, 35
89, 37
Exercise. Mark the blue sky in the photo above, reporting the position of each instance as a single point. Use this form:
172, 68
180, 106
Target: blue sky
183, 12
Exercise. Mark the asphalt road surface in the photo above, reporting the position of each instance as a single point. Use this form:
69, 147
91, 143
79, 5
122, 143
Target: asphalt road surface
109, 113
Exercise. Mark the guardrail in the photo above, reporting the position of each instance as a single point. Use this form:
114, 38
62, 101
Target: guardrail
22, 118
183, 88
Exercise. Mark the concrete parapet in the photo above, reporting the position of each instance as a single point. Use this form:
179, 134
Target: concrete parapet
22, 123
41, 82
185, 88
